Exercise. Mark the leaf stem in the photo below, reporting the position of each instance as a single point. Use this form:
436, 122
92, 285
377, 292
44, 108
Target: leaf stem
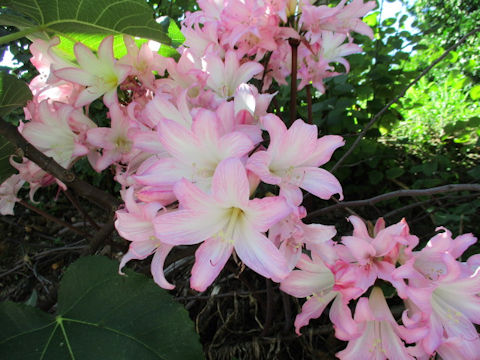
19, 34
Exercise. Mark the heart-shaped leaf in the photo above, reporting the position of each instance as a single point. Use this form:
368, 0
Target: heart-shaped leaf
14, 93
78, 19
101, 315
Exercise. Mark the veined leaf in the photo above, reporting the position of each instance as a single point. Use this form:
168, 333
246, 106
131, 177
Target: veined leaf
14, 93
101, 315
6, 149
81, 18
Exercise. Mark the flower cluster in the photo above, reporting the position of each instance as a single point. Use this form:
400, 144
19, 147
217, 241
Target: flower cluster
439, 292
186, 142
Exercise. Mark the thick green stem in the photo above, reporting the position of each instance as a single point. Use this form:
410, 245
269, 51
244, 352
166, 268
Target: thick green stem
19, 34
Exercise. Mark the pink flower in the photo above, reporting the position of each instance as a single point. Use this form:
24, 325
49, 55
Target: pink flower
317, 282
49, 132
101, 75
143, 61
449, 303
115, 141
134, 223
291, 234
195, 153
292, 159
379, 335
375, 257
226, 75
225, 221
8, 193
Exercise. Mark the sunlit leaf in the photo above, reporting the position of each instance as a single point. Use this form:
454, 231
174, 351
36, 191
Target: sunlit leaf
475, 92
77, 19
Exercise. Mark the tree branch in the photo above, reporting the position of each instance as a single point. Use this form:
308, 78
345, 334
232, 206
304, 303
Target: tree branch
381, 112
293, 80
395, 194
84, 189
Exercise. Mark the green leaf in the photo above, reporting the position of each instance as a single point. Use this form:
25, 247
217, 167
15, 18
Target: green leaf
6, 150
77, 19
475, 92
395, 172
14, 93
101, 315
375, 177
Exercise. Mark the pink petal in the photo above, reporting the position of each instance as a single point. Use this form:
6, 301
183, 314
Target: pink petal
359, 248
235, 144
162, 173
318, 182
156, 267
312, 309
178, 141
297, 144
263, 213
303, 283
132, 227
138, 250
259, 253
230, 184
345, 327
76, 75
187, 227
191, 197
259, 163
210, 258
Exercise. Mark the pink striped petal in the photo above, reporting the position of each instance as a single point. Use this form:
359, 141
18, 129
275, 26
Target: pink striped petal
156, 267
318, 182
210, 258
230, 185
263, 213
259, 253
187, 227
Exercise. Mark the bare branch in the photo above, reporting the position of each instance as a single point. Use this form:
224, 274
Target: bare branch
395, 194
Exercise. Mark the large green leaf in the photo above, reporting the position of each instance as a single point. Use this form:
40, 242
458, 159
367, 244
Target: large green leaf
14, 93
79, 19
6, 149
101, 315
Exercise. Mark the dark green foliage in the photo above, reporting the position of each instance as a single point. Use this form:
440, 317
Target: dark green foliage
100, 315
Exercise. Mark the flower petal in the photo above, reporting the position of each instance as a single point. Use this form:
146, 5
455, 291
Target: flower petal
259, 253
156, 267
210, 258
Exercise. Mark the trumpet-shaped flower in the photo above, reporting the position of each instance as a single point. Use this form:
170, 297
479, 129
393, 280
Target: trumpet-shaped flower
224, 221
8, 193
134, 223
450, 304
226, 75
49, 132
115, 141
379, 335
195, 153
317, 282
101, 75
292, 159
